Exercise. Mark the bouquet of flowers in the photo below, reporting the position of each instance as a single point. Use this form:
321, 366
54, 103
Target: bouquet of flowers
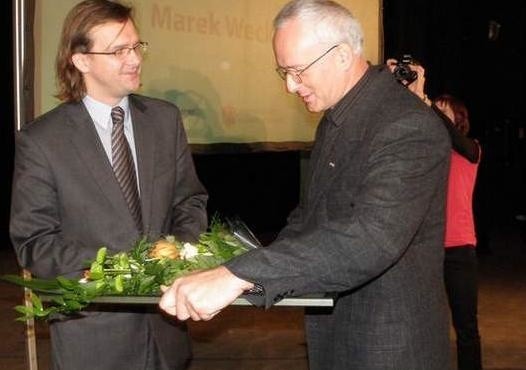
139, 272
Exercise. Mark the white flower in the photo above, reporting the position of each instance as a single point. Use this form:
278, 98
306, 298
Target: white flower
189, 251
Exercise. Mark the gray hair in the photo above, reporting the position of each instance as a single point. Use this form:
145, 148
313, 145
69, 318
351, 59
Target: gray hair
331, 22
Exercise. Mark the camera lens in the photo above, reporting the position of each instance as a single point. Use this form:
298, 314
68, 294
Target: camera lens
403, 73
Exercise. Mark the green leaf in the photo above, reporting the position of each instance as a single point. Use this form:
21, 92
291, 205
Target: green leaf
101, 284
119, 284
43, 313
96, 271
101, 255
73, 306
24, 310
39, 285
68, 284
59, 301
124, 262
37, 303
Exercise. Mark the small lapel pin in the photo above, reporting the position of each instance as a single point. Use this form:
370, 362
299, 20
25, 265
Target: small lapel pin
331, 164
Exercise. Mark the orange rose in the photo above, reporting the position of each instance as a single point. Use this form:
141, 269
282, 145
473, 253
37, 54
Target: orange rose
164, 249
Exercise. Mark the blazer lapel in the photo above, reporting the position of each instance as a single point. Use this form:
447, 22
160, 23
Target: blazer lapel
339, 147
323, 164
145, 149
88, 146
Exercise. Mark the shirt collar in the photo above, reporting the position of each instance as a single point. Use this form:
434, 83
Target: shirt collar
101, 113
338, 114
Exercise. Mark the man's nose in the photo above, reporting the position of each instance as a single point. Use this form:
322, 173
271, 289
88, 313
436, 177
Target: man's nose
292, 85
134, 57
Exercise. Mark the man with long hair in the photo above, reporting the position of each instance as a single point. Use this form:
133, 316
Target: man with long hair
105, 167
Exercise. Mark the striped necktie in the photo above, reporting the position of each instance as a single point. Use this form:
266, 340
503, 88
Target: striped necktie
123, 166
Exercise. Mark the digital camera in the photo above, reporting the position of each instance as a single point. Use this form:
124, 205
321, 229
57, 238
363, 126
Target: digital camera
402, 72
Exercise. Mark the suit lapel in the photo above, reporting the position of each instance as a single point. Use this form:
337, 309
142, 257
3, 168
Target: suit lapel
344, 131
324, 165
89, 148
339, 149
145, 149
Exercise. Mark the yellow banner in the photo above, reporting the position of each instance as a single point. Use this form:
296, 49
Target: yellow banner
213, 58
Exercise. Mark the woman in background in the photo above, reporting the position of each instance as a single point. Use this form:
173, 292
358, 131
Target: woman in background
460, 261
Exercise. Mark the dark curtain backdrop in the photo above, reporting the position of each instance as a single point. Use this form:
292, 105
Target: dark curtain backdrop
472, 50
450, 38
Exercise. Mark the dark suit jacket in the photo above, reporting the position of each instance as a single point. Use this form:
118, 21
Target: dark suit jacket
67, 203
370, 227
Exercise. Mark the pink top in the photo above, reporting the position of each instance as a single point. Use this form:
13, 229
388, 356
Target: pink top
460, 228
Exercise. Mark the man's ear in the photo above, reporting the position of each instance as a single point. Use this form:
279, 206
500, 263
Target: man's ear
81, 62
344, 56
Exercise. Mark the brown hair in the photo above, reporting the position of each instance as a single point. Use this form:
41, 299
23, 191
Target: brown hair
459, 109
75, 39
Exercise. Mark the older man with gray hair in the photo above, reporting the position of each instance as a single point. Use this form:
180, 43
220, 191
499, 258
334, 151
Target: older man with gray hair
371, 224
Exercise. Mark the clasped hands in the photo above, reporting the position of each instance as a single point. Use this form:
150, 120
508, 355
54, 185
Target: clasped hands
202, 295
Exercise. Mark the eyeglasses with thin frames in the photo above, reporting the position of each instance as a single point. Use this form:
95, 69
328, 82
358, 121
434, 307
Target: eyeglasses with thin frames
139, 48
295, 74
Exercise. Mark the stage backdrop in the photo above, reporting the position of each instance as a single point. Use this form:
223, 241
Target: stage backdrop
214, 60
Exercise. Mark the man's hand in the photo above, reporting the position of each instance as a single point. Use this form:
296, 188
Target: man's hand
202, 295
418, 86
